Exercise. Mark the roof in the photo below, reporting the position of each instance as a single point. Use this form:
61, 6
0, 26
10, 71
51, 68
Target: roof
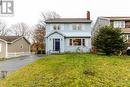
68, 20
9, 38
71, 34
118, 17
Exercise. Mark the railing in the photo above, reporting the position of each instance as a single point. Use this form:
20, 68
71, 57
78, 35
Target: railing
17, 54
52, 52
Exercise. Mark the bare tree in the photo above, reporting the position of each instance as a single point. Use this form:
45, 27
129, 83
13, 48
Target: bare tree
48, 15
38, 37
3, 29
21, 29
39, 31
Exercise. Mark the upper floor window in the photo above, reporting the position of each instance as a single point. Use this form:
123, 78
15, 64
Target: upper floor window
77, 27
56, 27
127, 24
119, 24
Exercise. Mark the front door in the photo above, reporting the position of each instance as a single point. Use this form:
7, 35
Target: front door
57, 44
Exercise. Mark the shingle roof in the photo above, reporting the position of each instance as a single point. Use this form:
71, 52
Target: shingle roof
118, 17
9, 38
68, 20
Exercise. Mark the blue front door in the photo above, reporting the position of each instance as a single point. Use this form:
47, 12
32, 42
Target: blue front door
57, 44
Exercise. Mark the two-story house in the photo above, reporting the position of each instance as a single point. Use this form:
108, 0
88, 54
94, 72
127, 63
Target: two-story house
68, 35
117, 22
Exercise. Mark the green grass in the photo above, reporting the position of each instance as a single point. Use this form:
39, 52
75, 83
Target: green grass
73, 70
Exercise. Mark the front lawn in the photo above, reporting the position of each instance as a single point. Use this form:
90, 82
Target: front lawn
73, 70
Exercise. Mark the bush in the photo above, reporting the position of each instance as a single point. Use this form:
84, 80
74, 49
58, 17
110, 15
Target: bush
40, 52
109, 40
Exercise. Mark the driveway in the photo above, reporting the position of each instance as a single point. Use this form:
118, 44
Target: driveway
14, 64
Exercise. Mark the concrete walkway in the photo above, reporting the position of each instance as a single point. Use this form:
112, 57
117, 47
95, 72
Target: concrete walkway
16, 63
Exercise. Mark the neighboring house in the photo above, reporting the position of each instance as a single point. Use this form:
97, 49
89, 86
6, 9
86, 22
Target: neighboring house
68, 35
13, 46
117, 22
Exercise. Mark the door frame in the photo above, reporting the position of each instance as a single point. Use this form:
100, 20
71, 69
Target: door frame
54, 44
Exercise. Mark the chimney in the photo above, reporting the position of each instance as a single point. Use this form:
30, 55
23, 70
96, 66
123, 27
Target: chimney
88, 15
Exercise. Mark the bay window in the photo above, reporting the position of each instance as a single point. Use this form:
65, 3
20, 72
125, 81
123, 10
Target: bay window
77, 42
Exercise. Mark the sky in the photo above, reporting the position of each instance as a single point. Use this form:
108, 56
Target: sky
29, 11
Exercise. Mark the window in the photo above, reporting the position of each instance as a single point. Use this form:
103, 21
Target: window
21, 46
77, 27
83, 42
127, 25
56, 27
128, 37
77, 42
74, 27
70, 42
119, 24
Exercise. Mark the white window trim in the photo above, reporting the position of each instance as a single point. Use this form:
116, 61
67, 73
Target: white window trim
77, 45
58, 27
118, 24
77, 26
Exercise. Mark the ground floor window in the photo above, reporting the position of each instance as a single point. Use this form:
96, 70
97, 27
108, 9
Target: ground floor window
127, 36
77, 42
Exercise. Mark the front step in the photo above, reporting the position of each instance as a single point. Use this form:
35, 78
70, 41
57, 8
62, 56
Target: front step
55, 52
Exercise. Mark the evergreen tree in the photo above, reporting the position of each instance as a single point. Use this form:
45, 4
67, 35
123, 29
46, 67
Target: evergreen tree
109, 40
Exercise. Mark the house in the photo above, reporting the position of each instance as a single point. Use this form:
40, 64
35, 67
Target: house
13, 46
68, 35
117, 22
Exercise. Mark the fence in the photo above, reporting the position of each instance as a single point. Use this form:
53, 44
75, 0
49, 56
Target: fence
17, 54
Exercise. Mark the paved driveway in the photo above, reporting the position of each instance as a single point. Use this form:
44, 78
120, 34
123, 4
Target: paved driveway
14, 64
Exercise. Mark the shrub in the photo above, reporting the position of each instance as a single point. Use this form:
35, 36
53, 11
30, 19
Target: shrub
109, 40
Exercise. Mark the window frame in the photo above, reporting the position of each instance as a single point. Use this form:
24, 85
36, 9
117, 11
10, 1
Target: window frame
77, 26
82, 42
119, 24
56, 27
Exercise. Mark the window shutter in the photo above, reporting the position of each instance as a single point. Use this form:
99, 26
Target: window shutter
70, 42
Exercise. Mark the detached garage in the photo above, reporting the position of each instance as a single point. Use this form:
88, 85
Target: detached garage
14, 46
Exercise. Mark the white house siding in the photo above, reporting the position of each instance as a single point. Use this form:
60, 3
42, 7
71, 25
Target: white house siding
100, 23
3, 49
69, 28
85, 48
65, 33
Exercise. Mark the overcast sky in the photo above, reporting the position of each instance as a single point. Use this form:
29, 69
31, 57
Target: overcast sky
29, 11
